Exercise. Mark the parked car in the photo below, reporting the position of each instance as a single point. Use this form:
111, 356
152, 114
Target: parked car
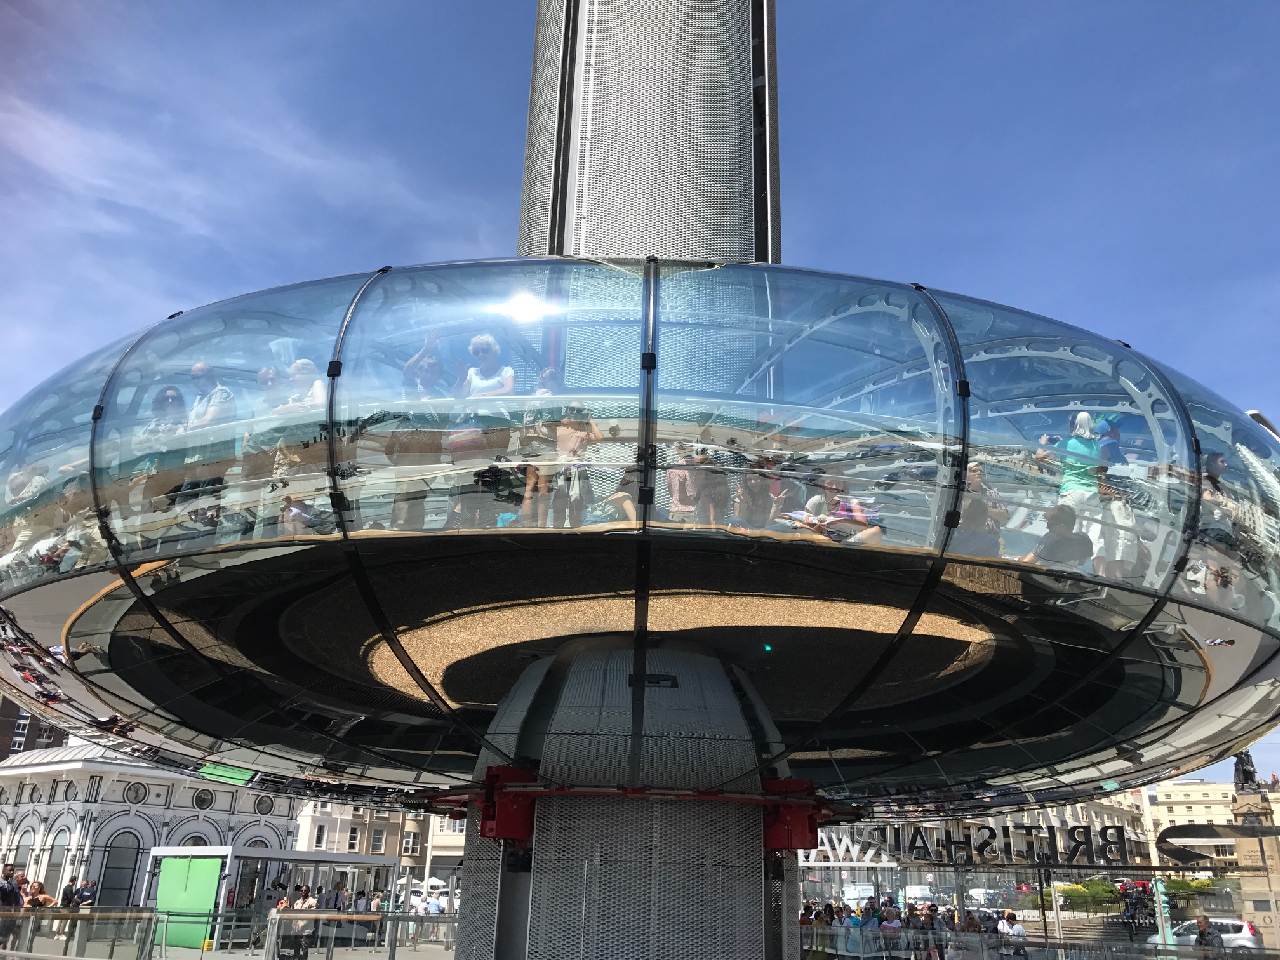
1237, 935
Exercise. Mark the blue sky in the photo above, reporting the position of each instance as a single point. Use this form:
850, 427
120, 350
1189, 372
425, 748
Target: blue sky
1112, 165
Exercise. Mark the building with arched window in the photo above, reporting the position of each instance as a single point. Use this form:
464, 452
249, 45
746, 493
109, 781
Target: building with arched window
81, 812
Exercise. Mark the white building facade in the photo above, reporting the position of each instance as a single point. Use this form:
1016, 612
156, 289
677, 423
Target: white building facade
428, 846
81, 812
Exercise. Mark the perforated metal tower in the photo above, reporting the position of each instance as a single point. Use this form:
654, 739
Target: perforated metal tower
744, 574
653, 131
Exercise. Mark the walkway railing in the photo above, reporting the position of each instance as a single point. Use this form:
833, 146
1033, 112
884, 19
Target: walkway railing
109, 934
297, 932
820, 941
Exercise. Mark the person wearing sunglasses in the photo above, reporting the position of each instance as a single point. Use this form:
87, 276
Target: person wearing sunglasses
486, 427
161, 470
490, 377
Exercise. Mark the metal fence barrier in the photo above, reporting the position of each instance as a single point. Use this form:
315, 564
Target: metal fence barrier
300, 933
820, 941
108, 934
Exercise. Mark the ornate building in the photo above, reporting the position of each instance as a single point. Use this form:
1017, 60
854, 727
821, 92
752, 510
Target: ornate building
80, 812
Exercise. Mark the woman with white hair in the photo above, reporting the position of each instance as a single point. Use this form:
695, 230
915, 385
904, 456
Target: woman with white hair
1081, 463
308, 388
485, 432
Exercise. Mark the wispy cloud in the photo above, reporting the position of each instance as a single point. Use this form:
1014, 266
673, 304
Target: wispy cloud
136, 182
102, 169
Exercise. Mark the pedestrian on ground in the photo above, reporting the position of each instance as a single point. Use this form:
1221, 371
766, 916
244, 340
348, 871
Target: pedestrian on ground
10, 903
87, 895
846, 935
891, 934
1012, 936
818, 931
301, 940
1208, 940
38, 900
934, 933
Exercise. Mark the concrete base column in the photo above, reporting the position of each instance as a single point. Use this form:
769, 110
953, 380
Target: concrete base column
629, 878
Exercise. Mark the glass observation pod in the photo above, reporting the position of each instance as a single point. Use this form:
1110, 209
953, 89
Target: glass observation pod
966, 557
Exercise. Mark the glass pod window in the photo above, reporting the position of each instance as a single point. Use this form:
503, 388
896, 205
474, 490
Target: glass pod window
215, 425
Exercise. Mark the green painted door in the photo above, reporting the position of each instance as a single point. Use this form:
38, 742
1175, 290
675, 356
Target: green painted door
188, 891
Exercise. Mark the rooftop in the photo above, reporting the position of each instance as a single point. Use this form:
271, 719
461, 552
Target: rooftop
77, 753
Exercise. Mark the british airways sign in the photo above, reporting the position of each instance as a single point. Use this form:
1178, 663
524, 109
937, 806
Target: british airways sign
885, 844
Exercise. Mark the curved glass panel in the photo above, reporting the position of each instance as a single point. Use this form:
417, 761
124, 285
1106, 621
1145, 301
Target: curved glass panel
214, 428
479, 407
1233, 564
261, 669
1073, 449
801, 406
1009, 673
492, 395
47, 524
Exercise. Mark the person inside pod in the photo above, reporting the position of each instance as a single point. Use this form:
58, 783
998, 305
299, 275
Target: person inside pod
1079, 459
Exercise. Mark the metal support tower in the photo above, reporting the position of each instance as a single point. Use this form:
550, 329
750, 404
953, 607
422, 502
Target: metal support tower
653, 131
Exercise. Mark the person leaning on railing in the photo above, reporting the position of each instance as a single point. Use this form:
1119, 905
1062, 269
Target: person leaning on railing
845, 932
10, 903
38, 900
934, 935
300, 940
819, 925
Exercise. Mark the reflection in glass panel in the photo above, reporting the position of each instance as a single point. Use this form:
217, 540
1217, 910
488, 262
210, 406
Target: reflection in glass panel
1074, 449
802, 406
274, 650
1234, 563
485, 396
214, 430
1009, 675
1238, 695
47, 524
795, 411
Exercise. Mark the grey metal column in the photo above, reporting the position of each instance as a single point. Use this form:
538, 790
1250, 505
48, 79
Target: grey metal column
653, 131
630, 877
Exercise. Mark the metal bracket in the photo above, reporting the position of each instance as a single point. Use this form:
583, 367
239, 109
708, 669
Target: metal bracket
505, 814
790, 826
